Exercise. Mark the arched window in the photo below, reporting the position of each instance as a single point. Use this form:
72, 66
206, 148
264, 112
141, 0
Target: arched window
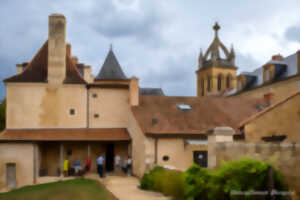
228, 80
202, 86
208, 84
219, 82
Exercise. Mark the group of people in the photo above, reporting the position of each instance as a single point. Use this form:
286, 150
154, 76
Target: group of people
78, 170
126, 165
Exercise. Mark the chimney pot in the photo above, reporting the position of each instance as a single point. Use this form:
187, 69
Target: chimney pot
277, 57
268, 97
69, 49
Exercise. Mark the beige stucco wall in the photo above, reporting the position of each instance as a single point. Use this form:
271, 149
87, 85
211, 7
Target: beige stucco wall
180, 154
36, 105
282, 120
112, 106
22, 155
138, 146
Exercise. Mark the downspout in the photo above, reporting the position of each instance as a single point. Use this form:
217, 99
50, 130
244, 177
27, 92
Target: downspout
87, 107
155, 150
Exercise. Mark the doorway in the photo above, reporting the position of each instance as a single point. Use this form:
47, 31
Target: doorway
110, 154
200, 158
11, 181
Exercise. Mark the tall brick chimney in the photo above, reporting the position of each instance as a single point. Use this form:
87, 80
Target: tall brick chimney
57, 49
134, 91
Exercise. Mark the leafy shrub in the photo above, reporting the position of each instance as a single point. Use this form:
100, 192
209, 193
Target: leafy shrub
198, 183
243, 175
246, 175
195, 182
169, 182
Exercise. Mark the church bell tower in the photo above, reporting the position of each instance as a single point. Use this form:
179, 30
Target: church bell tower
216, 72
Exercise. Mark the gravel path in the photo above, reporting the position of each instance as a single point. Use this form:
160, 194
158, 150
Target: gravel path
126, 188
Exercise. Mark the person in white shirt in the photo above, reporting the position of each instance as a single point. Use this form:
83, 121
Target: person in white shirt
129, 166
117, 161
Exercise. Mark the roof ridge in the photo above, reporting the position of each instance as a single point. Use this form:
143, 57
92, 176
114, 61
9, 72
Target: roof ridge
30, 63
68, 57
256, 115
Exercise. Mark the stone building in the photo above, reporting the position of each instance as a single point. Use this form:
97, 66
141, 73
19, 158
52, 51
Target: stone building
56, 109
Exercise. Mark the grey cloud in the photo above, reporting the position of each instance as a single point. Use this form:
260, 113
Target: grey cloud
293, 33
151, 42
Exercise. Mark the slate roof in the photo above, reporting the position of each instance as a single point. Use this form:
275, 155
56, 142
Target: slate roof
284, 69
37, 69
160, 115
151, 91
111, 69
75, 134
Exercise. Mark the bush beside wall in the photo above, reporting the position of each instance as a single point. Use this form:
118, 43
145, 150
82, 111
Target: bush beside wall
200, 183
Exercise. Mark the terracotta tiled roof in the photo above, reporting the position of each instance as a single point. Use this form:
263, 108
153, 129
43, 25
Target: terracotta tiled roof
88, 134
161, 115
37, 69
256, 115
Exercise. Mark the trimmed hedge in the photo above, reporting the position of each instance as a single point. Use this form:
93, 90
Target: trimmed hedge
200, 183
168, 182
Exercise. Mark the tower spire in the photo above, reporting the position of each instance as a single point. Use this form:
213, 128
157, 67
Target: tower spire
200, 59
216, 28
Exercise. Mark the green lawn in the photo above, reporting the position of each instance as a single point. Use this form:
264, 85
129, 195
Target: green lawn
76, 189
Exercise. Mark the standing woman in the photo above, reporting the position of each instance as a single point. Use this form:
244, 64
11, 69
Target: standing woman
88, 164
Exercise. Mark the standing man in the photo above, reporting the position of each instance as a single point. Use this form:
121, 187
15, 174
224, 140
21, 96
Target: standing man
100, 162
129, 166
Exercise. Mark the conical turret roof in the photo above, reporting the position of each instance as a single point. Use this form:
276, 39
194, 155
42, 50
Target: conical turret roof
111, 69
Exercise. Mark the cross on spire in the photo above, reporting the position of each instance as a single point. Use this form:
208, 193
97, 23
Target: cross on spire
110, 46
216, 27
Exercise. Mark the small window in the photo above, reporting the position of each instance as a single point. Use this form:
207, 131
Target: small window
72, 111
183, 106
219, 82
208, 84
240, 85
94, 95
69, 152
268, 75
96, 115
228, 80
165, 158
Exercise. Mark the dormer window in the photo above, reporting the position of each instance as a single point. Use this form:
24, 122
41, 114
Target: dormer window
183, 106
240, 84
268, 75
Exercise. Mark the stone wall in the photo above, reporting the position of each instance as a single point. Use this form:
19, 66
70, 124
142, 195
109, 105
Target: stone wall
284, 157
21, 154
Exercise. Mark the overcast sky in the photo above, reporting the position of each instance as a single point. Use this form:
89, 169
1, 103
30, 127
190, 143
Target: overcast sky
158, 41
